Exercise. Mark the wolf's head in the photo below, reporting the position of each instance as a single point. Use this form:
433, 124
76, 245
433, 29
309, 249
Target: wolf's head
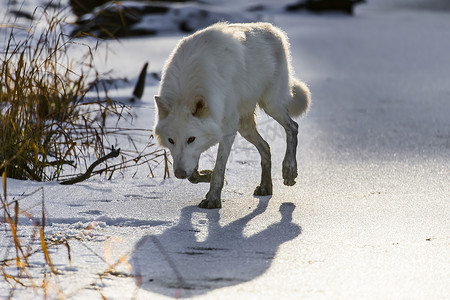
187, 130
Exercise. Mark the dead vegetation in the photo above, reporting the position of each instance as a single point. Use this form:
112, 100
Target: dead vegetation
51, 130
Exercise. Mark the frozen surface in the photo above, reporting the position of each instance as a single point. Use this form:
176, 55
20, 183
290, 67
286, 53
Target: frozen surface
368, 217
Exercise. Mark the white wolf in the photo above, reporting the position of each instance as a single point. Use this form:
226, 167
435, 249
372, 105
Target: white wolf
210, 87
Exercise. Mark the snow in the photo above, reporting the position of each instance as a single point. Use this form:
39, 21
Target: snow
368, 217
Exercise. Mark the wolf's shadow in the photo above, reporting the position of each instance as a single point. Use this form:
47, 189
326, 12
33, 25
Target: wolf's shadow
175, 264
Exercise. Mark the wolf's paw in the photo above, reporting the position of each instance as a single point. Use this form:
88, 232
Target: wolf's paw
210, 204
263, 190
202, 176
289, 172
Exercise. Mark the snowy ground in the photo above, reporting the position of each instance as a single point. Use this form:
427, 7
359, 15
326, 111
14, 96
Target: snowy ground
368, 217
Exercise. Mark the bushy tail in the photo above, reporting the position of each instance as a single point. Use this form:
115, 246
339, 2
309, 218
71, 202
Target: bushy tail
301, 99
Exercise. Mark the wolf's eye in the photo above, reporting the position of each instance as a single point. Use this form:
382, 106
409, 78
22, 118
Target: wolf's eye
171, 141
191, 140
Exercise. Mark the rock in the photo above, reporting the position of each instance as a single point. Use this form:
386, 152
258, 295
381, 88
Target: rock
81, 7
116, 19
130, 18
22, 14
319, 6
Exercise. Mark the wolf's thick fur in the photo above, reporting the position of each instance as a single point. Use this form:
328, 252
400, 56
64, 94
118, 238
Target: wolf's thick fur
210, 87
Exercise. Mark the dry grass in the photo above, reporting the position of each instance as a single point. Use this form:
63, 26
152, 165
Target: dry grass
15, 267
42, 105
48, 125
51, 130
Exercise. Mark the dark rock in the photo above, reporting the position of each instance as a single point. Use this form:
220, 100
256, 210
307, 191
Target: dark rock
319, 6
114, 19
131, 18
81, 7
256, 8
22, 14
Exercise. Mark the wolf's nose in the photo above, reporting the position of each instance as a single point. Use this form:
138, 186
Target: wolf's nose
180, 174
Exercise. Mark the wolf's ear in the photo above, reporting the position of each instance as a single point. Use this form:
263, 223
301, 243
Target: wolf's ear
163, 107
199, 108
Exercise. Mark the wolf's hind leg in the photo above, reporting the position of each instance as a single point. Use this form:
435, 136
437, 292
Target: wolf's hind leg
248, 131
281, 115
290, 157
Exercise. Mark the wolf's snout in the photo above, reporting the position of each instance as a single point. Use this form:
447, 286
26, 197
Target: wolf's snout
181, 174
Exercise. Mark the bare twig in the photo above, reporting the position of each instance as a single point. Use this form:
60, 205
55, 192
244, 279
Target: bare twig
87, 174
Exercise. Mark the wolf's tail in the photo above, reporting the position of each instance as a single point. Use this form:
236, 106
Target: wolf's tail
301, 99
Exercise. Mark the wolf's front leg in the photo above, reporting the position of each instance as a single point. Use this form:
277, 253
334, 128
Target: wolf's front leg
217, 178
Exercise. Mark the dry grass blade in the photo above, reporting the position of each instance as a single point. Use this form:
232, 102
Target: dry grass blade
25, 248
4, 185
47, 257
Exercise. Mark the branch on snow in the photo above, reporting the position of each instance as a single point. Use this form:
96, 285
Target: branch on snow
87, 174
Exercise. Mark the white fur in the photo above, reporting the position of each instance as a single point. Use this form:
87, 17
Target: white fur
210, 87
